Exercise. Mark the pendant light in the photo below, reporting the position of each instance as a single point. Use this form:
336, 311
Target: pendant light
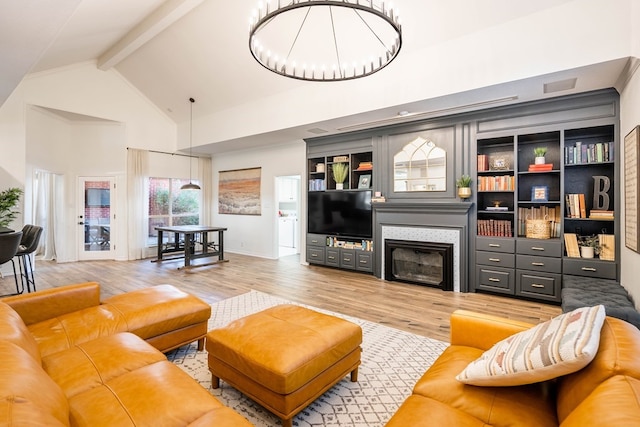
190, 185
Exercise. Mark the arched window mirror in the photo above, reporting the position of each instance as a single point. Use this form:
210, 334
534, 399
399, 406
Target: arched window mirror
420, 166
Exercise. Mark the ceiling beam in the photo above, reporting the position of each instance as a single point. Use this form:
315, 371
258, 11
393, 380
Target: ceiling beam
163, 17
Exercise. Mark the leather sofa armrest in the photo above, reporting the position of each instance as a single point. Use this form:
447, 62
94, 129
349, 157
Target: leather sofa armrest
49, 303
482, 331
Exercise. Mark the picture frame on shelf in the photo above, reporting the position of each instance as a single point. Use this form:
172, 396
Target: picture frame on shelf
631, 189
540, 193
364, 182
500, 161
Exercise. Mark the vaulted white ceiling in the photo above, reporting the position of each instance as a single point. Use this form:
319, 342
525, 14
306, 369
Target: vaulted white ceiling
175, 49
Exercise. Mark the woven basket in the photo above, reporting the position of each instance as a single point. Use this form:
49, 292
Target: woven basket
538, 228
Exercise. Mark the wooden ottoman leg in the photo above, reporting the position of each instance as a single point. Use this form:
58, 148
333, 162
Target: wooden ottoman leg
287, 422
201, 344
354, 375
215, 382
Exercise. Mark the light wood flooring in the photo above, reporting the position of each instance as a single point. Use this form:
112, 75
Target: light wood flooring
418, 309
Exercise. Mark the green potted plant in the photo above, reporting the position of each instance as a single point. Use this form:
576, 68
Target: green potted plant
340, 172
464, 186
589, 246
540, 152
9, 205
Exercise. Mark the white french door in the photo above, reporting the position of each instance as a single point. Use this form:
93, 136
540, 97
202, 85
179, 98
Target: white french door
96, 218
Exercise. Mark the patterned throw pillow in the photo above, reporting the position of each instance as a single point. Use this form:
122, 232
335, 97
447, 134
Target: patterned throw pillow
560, 346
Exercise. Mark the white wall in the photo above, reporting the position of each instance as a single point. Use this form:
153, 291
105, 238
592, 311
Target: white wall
32, 137
629, 118
257, 235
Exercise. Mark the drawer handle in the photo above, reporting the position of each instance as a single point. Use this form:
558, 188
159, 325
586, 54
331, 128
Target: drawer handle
314, 255
494, 259
536, 248
332, 257
494, 245
535, 285
538, 264
493, 279
347, 259
363, 261
314, 241
588, 269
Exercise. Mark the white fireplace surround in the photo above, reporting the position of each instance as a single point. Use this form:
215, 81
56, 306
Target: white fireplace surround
426, 234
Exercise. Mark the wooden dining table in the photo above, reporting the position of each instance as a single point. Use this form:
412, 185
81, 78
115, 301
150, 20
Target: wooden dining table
192, 241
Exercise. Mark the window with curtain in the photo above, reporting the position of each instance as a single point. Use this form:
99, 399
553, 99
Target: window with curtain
169, 205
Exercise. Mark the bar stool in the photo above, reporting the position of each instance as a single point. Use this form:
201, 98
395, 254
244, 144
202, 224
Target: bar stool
28, 245
9, 243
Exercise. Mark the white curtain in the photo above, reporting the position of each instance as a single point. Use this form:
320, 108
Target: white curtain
48, 192
137, 165
205, 176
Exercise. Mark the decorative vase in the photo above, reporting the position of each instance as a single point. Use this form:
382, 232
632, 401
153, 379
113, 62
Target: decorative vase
339, 186
586, 251
464, 192
539, 160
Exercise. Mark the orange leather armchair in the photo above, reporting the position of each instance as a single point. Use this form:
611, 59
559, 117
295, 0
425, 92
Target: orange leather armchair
606, 392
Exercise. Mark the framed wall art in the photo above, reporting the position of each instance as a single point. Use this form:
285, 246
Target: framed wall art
239, 192
631, 185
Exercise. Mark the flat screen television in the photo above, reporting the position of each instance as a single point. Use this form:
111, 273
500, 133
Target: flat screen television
341, 213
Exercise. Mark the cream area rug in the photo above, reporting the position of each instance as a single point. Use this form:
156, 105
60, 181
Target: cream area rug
392, 362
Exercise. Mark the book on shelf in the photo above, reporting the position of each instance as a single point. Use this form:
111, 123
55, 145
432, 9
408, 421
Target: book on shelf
365, 166
581, 153
496, 183
483, 162
571, 244
601, 214
494, 228
575, 205
607, 247
541, 168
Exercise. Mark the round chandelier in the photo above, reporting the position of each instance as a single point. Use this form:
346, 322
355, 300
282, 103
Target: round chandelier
323, 40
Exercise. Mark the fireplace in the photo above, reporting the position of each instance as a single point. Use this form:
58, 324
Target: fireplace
422, 263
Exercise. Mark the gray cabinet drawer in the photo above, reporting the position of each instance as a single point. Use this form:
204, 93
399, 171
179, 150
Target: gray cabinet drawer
539, 263
498, 279
316, 240
551, 247
546, 287
333, 257
497, 259
347, 258
364, 261
315, 255
495, 244
590, 268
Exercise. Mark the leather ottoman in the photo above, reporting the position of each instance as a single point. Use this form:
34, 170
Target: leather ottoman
284, 357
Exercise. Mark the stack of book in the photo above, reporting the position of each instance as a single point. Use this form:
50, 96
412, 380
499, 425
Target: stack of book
483, 163
571, 244
545, 167
365, 166
575, 206
600, 214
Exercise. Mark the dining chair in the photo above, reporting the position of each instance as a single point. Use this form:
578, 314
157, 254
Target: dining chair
9, 243
28, 245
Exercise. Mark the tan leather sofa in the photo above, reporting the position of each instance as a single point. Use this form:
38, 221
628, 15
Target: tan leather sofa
605, 393
66, 359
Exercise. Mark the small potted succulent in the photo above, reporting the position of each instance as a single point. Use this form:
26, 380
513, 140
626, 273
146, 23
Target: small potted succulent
464, 186
340, 172
540, 152
589, 246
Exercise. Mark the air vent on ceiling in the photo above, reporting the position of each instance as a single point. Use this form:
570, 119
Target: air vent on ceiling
317, 131
560, 85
